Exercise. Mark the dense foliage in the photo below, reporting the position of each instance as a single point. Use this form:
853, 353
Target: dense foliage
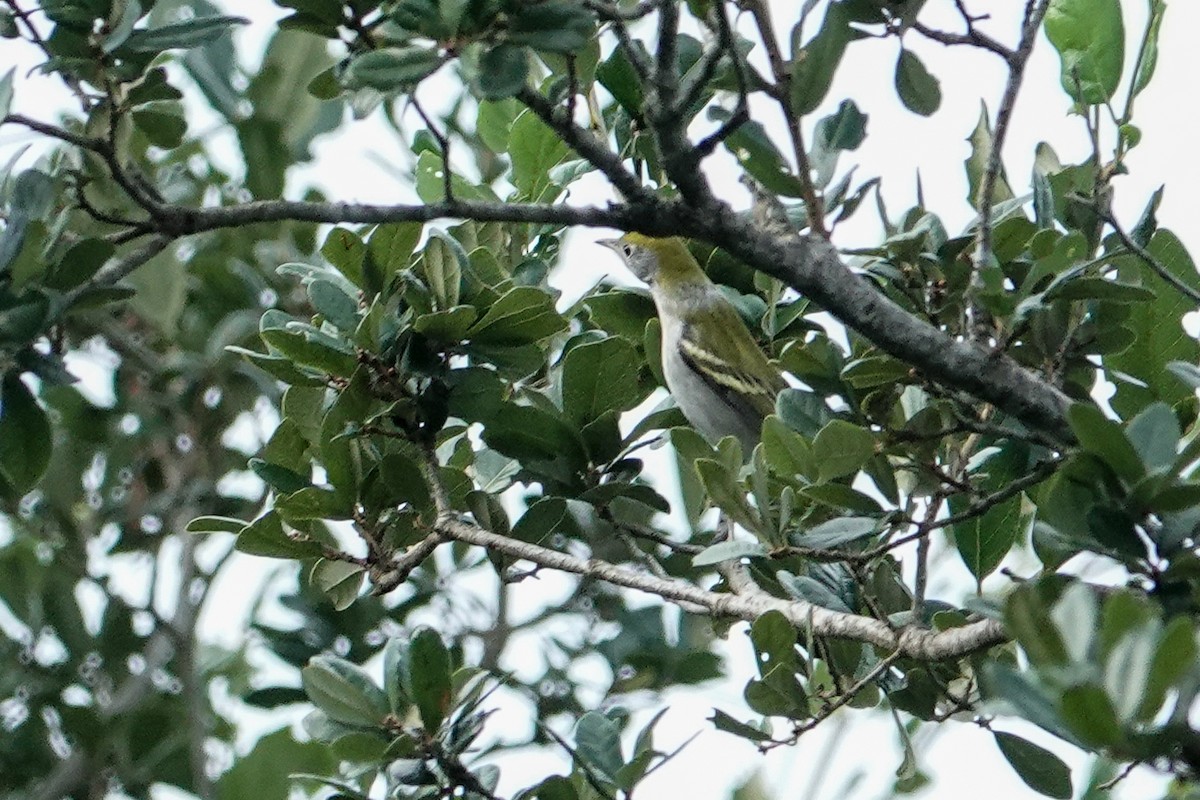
443, 428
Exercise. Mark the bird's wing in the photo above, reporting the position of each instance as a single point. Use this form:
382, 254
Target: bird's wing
733, 365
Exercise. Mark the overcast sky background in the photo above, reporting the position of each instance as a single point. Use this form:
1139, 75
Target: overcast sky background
961, 758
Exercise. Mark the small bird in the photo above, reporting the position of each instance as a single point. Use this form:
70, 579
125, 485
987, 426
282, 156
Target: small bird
716, 372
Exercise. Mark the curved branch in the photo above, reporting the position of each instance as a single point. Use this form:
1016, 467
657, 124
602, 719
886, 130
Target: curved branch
812, 267
747, 603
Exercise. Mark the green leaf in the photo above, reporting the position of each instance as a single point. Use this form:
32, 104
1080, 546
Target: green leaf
838, 531
427, 677
265, 771
845, 129
1104, 438
182, 35
6, 92
1127, 670
598, 377
523, 314
30, 200
26, 439
265, 537
1041, 770
1158, 326
917, 88
802, 411
724, 722
1149, 52
981, 142
332, 302
163, 123
312, 349
391, 69
278, 477
788, 453
1174, 655
1089, 36
503, 71
598, 744
728, 551
1026, 615
557, 26
79, 263
339, 580
528, 432
813, 65
727, 494
1155, 435
534, 149
541, 520
842, 448
443, 262
754, 149
1089, 713
215, 525
344, 691
391, 246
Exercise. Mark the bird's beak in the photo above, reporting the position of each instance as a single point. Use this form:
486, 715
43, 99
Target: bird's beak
611, 244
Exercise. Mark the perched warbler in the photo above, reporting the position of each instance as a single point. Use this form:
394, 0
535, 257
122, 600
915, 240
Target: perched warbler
715, 370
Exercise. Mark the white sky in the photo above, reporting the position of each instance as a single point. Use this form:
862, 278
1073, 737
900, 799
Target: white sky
962, 758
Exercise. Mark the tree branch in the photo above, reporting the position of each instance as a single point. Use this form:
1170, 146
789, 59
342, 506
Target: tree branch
1146, 257
1030, 26
749, 605
812, 267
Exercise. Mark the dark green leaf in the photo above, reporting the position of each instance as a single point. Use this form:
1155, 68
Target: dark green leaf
917, 88
724, 722
265, 537
727, 494
25, 436
428, 677
813, 66
182, 35
1155, 434
1104, 438
1041, 770
598, 744
503, 71
392, 69
1089, 713
557, 26
598, 377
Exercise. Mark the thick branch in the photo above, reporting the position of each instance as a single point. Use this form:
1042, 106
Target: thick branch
813, 268
748, 605
182, 221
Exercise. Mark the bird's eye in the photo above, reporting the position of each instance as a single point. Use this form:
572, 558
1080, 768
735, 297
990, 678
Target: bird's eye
627, 249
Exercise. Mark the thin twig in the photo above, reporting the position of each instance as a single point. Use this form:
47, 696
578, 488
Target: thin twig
1146, 257
443, 143
1032, 23
813, 204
